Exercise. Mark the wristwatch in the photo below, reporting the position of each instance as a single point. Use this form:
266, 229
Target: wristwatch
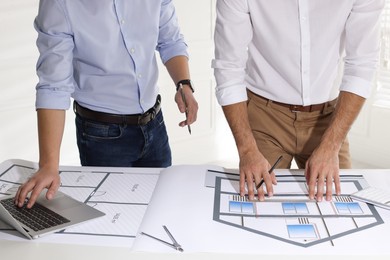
187, 82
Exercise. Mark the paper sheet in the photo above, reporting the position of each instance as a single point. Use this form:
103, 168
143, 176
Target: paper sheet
122, 193
207, 218
201, 207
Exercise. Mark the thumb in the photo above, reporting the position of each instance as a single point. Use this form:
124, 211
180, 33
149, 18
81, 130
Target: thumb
52, 190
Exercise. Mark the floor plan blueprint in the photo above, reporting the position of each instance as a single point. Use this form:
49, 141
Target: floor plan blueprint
290, 216
122, 193
201, 207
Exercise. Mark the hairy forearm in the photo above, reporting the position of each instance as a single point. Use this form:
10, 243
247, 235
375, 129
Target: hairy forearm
50, 130
237, 118
347, 109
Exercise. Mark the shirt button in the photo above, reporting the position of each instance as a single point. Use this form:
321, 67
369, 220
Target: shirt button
139, 75
132, 50
122, 21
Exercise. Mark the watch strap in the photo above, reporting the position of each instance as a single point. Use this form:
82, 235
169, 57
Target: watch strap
187, 82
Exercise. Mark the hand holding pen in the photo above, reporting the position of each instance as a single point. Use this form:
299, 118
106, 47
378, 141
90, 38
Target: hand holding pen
258, 186
270, 171
187, 104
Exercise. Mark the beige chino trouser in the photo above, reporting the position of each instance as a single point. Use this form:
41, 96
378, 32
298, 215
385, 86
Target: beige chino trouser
295, 135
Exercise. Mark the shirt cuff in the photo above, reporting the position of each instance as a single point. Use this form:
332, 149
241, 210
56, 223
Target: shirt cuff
231, 95
174, 51
356, 85
48, 99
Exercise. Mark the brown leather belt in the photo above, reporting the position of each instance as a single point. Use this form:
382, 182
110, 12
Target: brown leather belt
298, 108
137, 119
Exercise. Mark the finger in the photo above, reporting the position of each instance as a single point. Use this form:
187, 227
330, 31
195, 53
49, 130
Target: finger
273, 178
260, 193
307, 173
17, 194
320, 188
24, 190
34, 196
192, 112
53, 189
329, 184
190, 118
256, 183
250, 185
268, 185
312, 185
183, 123
336, 179
182, 107
242, 184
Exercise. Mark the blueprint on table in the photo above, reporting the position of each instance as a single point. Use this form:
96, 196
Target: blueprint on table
204, 211
122, 193
200, 206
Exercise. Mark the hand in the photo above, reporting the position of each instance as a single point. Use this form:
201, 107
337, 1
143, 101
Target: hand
254, 168
192, 105
322, 168
40, 180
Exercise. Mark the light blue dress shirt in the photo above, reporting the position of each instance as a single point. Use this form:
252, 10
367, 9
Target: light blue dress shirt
103, 52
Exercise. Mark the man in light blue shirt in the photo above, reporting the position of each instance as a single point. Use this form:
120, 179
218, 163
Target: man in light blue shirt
103, 55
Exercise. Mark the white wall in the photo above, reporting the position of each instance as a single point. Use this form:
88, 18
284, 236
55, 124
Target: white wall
211, 140
18, 55
370, 137
17, 79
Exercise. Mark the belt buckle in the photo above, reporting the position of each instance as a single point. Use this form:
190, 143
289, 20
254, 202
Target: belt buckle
294, 109
141, 120
152, 114
147, 117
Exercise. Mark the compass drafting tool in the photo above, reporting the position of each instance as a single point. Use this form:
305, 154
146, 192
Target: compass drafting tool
175, 245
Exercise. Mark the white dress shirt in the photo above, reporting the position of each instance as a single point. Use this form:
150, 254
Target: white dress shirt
290, 50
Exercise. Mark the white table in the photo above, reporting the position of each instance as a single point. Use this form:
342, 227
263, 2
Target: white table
37, 250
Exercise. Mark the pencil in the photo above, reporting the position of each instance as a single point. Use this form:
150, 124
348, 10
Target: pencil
270, 171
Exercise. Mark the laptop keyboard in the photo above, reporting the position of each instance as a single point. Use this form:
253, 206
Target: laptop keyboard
37, 218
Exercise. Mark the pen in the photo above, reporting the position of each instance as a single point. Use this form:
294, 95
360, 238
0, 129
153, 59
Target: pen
270, 170
185, 103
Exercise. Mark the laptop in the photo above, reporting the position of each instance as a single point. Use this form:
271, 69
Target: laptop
46, 216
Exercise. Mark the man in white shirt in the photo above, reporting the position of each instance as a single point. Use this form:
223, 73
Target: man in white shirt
276, 66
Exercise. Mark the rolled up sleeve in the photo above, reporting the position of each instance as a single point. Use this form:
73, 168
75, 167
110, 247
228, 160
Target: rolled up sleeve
362, 47
55, 63
233, 33
170, 40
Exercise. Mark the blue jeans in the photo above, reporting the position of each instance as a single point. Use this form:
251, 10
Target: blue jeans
102, 144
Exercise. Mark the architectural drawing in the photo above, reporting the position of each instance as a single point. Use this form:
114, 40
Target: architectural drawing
290, 216
122, 194
202, 207
203, 210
